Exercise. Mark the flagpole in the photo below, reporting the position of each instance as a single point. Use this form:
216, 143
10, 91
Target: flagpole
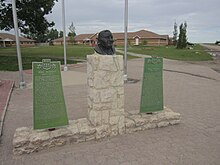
22, 82
125, 39
64, 36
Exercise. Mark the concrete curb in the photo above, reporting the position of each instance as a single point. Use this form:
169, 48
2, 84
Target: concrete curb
5, 108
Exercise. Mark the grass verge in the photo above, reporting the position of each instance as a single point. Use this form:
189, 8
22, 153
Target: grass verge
196, 54
10, 63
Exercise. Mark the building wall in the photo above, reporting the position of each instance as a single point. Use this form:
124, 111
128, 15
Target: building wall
58, 43
29, 43
13, 43
149, 42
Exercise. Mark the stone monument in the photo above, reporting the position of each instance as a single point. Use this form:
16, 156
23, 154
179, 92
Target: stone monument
106, 115
106, 85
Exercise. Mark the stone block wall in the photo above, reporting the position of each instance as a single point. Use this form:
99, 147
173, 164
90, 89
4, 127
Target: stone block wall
106, 91
26, 140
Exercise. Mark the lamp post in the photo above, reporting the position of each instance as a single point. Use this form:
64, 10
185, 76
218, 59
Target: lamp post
22, 82
125, 39
64, 36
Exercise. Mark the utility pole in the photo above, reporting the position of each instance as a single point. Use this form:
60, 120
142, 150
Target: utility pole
22, 82
125, 39
64, 35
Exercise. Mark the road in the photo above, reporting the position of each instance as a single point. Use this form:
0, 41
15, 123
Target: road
214, 50
211, 47
214, 64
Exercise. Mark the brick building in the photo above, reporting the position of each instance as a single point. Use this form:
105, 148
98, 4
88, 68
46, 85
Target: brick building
141, 37
7, 40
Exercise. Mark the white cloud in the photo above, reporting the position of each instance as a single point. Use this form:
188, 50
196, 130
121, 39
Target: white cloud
90, 16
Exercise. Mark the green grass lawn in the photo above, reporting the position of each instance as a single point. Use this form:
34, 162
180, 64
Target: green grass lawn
75, 51
10, 63
8, 57
170, 52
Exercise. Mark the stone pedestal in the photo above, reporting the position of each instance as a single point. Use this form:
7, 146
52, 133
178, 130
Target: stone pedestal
106, 91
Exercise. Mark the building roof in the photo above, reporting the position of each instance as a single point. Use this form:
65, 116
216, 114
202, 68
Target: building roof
80, 37
61, 39
84, 36
11, 37
139, 34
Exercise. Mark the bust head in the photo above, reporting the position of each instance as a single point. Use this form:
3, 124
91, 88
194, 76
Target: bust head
105, 43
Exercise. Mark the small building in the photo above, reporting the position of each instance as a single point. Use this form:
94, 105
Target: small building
88, 39
59, 41
7, 40
142, 37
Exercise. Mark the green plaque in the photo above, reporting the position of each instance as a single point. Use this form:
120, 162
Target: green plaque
152, 85
48, 99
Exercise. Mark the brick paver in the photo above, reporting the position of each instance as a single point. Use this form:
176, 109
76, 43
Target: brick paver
190, 89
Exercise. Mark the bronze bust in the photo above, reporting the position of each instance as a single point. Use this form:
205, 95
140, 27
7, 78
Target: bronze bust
105, 43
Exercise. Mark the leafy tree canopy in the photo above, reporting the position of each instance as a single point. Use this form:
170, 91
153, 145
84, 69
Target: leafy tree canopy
175, 34
61, 34
48, 36
31, 16
72, 32
182, 40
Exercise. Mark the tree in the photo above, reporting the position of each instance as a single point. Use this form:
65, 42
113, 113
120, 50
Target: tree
144, 42
175, 34
182, 40
61, 34
53, 34
217, 42
31, 16
47, 37
129, 42
72, 32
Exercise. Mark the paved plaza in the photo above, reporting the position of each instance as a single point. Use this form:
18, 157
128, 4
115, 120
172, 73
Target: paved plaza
191, 89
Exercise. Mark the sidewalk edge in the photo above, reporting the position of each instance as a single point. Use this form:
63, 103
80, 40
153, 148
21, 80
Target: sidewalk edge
5, 108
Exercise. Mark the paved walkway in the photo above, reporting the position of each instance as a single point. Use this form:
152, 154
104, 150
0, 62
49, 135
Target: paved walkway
190, 89
133, 54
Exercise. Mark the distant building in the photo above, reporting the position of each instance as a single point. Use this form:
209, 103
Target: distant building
7, 40
142, 37
78, 39
86, 38
59, 41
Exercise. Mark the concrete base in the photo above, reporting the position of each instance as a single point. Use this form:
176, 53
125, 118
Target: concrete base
26, 140
65, 68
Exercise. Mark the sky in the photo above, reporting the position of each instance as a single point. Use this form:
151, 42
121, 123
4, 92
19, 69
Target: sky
91, 16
